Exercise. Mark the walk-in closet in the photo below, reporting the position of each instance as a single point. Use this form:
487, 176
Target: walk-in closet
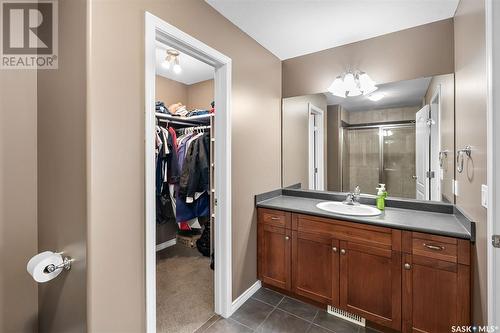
184, 155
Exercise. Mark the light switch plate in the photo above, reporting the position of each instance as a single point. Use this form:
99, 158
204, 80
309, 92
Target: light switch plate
484, 195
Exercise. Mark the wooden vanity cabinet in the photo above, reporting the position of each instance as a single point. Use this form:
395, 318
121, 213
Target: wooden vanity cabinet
370, 283
406, 281
436, 283
315, 263
274, 248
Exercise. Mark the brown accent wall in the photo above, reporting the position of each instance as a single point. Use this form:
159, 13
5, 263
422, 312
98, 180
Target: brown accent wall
470, 108
447, 84
333, 148
18, 193
62, 172
200, 95
425, 50
116, 293
295, 120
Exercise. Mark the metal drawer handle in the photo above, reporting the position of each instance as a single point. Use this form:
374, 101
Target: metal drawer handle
342, 251
287, 238
407, 266
334, 249
434, 247
274, 218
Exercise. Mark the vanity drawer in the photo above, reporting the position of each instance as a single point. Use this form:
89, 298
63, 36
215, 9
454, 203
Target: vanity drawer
433, 248
275, 218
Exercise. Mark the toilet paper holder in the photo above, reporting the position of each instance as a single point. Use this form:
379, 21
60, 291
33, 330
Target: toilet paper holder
66, 264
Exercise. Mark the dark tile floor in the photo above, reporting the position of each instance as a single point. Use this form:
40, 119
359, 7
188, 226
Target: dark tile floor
269, 311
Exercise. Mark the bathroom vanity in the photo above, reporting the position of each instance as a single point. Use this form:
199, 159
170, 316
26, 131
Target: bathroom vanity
407, 269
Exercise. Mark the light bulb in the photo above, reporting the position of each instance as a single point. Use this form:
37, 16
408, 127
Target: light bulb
177, 68
165, 64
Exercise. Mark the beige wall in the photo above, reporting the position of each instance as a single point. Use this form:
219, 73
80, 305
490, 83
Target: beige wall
470, 87
194, 96
62, 172
170, 91
333, 148
447, 84
116, 294
18, 206
408, 54
200, 95
295, 118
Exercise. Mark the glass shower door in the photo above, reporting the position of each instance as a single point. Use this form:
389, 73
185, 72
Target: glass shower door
399, 161
361, 159
379, 154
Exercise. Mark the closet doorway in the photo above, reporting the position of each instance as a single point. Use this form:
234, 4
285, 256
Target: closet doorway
187, 180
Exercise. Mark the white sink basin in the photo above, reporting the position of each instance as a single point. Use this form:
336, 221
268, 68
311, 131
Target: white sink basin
354, 210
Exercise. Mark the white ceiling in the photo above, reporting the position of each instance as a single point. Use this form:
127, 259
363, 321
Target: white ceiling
397, 94
290, 28
193, 70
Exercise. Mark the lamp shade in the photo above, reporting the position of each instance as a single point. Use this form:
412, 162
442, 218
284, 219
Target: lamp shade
337, 87
349, 82
354, 92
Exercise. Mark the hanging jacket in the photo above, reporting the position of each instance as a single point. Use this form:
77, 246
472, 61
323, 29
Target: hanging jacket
195, 172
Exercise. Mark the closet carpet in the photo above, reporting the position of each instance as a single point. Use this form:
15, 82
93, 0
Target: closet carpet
184, 290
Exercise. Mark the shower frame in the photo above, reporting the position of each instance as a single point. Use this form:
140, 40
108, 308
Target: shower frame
381, 128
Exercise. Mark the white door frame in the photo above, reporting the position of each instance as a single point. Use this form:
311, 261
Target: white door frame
435, 148
157, 29
418, 162
312, 111
492, 9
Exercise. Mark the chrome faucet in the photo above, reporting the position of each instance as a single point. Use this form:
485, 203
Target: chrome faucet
349, 200
357, 192
353, 198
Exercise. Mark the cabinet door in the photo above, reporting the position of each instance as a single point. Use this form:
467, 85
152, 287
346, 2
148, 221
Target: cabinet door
275, 248
435, 294
315, 264
370, 283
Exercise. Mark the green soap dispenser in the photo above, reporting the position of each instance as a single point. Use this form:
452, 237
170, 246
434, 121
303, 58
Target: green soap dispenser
381, 195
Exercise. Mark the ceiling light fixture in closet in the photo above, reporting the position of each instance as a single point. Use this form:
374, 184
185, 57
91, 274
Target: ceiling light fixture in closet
352, 84
172, 60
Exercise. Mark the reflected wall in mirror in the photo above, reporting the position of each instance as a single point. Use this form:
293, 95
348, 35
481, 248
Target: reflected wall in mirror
402, 135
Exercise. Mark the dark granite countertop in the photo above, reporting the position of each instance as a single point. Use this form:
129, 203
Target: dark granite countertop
450, 223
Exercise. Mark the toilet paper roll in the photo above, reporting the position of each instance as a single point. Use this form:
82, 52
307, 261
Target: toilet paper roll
38, 264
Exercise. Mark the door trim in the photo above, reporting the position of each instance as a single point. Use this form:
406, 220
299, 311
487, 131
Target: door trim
435, 183
157, 29
492, 10
314, 110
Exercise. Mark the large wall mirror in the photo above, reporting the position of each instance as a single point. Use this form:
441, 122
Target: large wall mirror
402, 134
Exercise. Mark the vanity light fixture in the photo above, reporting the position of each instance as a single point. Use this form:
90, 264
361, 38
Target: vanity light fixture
376, 97
172, 60
352, 84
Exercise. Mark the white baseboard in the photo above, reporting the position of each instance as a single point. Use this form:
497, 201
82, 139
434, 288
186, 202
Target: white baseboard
245, 296
166, 244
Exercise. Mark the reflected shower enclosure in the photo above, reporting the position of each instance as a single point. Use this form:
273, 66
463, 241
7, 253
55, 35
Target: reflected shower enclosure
376, 154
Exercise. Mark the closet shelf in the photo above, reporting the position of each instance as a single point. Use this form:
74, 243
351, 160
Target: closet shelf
201, 119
